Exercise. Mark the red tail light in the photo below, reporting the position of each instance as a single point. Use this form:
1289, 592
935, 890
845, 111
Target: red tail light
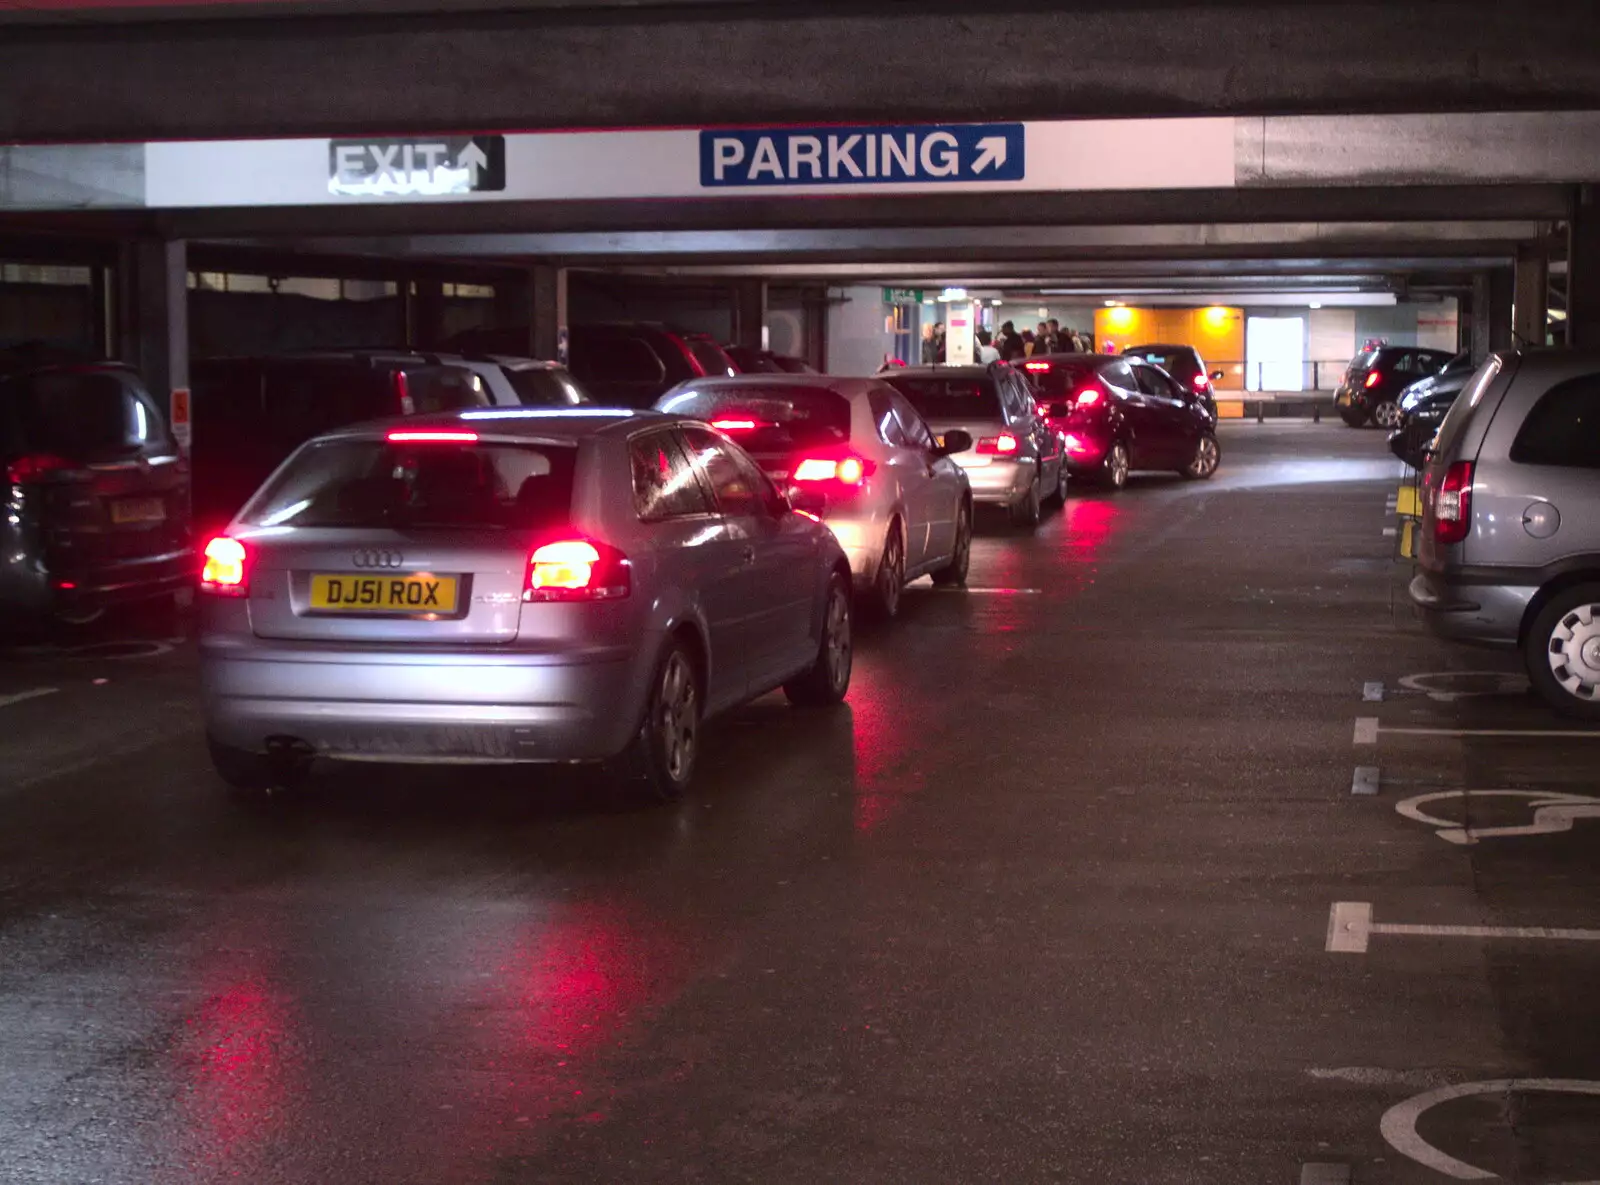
998, 446
577, 570
1452, 505
34, 467
1087, 397
1201, 382
848, 470
406, 436
1373, 378
224, 573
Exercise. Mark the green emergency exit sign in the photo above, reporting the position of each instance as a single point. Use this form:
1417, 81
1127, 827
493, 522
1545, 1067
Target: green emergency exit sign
902, 296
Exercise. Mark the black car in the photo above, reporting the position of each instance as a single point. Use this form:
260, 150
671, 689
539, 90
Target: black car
249, 414
767, 362
1373, 382
1184, 364
1422, 408
618, 363
96, 512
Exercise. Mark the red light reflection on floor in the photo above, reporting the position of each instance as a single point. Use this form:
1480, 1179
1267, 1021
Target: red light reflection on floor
884, 740
1088, 525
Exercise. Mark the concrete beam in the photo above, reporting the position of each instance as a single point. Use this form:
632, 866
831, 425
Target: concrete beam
774, 63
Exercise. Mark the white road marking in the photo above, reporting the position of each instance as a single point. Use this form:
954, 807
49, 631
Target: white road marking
1365, 780
1390, 532
1501, 683
1350, 927
21, 696
1366, 730
1372, 693
1399, 1122
1584, 734
1553, 812
1324, 1174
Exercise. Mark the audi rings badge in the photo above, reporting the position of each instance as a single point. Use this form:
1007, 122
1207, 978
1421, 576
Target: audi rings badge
377, 557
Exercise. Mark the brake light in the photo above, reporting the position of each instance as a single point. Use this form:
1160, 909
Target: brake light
1035, 366
224, 570
1452, 505
35, 466
1003, 445
406, 436
737, 425
1201, 381
1372, 379
577, 570
849, 470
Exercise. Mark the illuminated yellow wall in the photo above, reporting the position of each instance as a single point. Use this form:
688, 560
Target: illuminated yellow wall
1217, 332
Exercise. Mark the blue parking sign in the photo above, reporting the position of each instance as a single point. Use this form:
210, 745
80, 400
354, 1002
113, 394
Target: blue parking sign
864, 155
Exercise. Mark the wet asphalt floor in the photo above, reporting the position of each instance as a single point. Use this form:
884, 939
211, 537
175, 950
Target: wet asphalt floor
1048, 900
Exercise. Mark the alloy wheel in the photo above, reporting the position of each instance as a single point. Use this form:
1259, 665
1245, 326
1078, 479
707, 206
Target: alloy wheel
1206, 457
891, 574
677, 716
837, 650
1387, 414
1117, 466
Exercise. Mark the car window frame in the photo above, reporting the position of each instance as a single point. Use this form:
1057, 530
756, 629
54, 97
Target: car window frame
912, 425
681, 449
770, 499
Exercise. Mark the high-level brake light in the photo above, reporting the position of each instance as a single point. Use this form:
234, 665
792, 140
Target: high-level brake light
1452, 505
422, 436
224, 570
1035, 366
738, 425
577, 570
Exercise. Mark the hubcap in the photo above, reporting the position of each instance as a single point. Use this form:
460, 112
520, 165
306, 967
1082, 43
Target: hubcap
1574, 652
1387, 414
678, 718
1206, 460
1119, 465
963, 540
838, 640
889, 572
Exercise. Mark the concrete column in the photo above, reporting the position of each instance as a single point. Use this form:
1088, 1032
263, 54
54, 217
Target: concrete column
1502, 290
153, 314
750, 314
1583, 269
1478, 318
1532, 292
513, 309
550, 313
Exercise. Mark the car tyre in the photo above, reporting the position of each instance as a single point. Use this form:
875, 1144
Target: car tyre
1060, 496
1207, 456
1353, 417
661, 756
1562, 652
890, 579
1027, 511
1114, 469
828, 679
955, 572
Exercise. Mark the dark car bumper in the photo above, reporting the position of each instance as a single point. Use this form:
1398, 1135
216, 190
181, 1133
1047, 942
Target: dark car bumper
1483, 610
1410, 441
124, 583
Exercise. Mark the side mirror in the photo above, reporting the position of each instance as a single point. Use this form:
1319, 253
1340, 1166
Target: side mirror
955, 441
1215, 375
813, 502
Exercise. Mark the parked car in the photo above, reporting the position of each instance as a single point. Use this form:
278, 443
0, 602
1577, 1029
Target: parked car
1185, 366
766, 362
505, 586
1014, 458
95, 507
1422, 409
513, 381
858, 453
1370, 390
1119, 414
713, 359
249, 414
1509, 552
617, 363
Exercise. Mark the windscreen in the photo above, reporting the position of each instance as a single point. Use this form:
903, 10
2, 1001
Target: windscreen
90, 415
1364, 360
769, 419
1062, 382
373, 483
952, 398
545, 388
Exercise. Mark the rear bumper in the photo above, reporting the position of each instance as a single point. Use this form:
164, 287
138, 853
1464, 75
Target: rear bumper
433, 707
1001, 481
1479, 613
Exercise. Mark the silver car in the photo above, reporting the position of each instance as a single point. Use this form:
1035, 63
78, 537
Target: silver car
1510, 540
1013, 457
512, 585
858, 454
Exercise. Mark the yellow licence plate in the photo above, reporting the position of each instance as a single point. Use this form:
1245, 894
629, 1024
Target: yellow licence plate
419, 593
138, 510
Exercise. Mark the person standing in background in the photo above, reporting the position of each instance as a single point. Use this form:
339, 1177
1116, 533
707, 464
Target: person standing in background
986, 351
927, 344
938, 342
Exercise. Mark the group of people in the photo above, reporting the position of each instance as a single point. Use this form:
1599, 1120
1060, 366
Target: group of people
1007, 345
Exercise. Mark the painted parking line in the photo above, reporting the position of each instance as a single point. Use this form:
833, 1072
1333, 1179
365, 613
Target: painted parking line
1399, 1122
1591, 734
1350, 928
23, 696
1366, 730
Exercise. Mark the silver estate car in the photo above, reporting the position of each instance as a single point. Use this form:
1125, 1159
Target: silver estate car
1013, 457
1510, 541
856, 452
512, 585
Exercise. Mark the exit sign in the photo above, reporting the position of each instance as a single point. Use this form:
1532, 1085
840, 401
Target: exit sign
902, 296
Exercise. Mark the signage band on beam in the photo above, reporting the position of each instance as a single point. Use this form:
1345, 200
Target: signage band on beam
863, 155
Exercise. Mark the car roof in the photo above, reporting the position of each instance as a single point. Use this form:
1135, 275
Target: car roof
1083, 359
938, 370
571, 423
838, 383
1538, 359
1172, 346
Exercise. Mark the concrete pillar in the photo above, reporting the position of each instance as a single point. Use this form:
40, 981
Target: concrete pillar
750, 314
1583, 269
1502, 293
153, 308
1478, 318
550, 313
1532, 293
424, 304
513, 310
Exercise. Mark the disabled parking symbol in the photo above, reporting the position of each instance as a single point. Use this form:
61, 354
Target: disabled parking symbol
1553, 813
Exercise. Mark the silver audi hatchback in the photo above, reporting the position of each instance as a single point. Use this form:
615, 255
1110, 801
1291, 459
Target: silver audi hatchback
499, 586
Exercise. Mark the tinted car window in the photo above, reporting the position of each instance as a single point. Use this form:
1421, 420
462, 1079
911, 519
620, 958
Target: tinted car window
444, 388
1365, 359
372, 483
544, 388
1180, 364
740, 488
86, 415
912, 426
1563, 428
1061, 381
953, 398
617, 359
664, 482
768, 419
1119, 374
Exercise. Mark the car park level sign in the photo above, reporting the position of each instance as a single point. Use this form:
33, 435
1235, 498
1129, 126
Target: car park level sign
863, 155
409, 168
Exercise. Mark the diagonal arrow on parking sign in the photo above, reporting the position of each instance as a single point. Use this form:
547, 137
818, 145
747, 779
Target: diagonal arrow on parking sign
991, 151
